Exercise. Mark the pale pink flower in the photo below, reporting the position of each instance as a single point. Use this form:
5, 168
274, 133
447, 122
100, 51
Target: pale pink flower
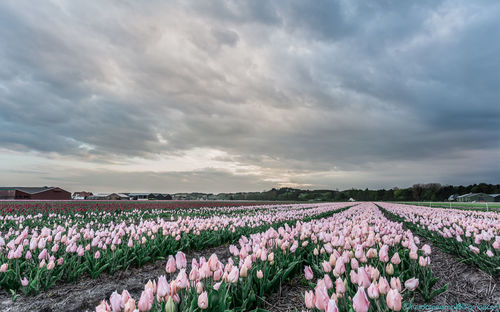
203, 300
360, 302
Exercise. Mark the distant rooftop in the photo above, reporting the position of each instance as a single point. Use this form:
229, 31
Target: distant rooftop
29, 190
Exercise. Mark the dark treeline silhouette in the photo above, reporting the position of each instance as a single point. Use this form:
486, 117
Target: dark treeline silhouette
418, 192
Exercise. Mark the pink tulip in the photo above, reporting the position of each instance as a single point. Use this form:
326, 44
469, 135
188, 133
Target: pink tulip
194, 274
43, 255
205, 271
413, 255
182, 279
360, 302
260, 275
212, 262
396, 283
354, 264
233, 276
24, 282
393, 300
395, 259
199, 288
4, 267
103, 307
373, 291
474, 249
308, 273
97, 254
496, 244
130, 305
354, 277
383, 286
218, 275
50, 265
170, 267
180, 260
362, 278
426, 249
384, 253
339, 286
116, 302
203, 300
328, 281
411, 284
422, 261
151, 285
332, 306
321, 296
310, 300
162, 288
125, 296
326, 267
339, 268
146, 300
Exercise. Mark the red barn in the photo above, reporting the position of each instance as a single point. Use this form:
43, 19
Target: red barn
41, 193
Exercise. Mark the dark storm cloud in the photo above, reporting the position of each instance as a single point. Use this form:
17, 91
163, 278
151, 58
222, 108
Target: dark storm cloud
302, 88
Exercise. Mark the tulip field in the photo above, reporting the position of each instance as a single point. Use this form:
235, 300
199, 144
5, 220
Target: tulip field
472, 235
348, 256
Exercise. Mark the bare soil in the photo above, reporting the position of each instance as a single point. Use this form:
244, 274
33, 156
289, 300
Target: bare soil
290, 297
87, 293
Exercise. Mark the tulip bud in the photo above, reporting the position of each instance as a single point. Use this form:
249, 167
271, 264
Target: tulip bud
260, 275
24, 282
389, 269
170, 307
244, 271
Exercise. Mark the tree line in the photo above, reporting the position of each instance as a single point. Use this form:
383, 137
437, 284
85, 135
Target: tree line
418, 192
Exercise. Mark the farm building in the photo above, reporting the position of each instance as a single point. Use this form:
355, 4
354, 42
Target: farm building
139, 196
41, 193
81, 195
149, 196
479, 197
108, 196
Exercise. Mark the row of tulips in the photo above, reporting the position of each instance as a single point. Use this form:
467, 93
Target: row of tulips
365, 262
34, 259
82, 206
15, 221
472, 235
354, 252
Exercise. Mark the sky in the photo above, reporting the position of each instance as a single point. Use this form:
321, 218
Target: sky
225, 96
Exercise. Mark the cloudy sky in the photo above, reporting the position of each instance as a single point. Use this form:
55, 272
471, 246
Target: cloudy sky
218, 96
